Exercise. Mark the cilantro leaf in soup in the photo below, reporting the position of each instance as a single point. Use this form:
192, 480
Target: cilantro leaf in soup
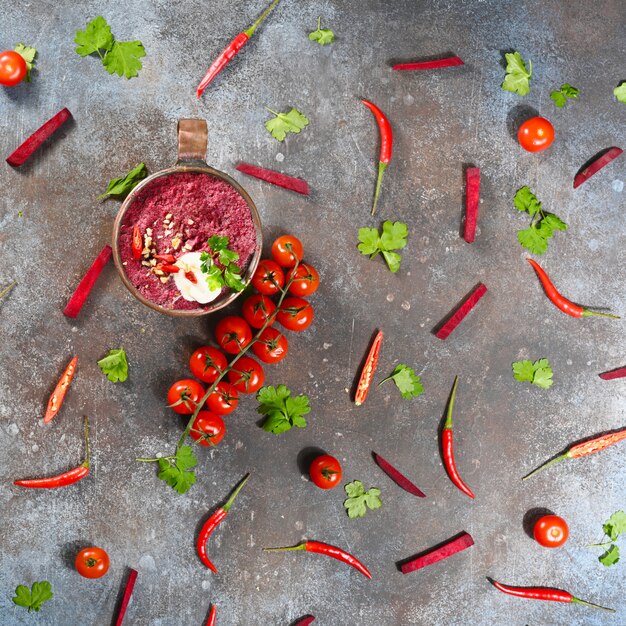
292, 122
517, 79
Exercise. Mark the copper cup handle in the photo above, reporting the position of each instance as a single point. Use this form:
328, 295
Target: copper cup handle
192, 141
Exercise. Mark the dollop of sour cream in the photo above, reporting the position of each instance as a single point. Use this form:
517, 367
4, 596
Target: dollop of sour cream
198, 291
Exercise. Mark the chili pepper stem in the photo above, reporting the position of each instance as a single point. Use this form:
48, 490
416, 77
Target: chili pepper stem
379, 181
558, 459
591, 604
448, 422
238, 488
8, 288
265, 13
588, 313
300, 546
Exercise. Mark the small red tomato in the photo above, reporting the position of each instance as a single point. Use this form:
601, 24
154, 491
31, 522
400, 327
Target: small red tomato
12, 68
269, 277
287, 251
257, 309
211, 425
271, 346
305, 281
224, 399
247, 375
233, 334
295, 314
551, 531
184, 395
325, 471
536, 134
207, 363
92, 562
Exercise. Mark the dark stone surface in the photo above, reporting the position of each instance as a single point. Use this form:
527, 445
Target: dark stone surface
442, 120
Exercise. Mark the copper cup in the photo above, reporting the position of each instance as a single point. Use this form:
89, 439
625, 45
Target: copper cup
192, 146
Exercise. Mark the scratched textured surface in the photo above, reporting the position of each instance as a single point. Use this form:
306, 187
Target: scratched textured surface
442, 121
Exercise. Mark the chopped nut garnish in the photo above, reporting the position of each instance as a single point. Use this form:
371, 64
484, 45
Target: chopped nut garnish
164, 279
190, 221
187, 247
152, 261
176, 243
145, 252
125, 263
158, 272
168, 216
145, 263
149, 231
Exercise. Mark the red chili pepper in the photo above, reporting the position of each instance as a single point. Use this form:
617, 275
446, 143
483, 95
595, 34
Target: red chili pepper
585, 448
544, 593
191, 277
58, 395
166, 267
137, 243
213, 522
447, 446
560, 301
324, 548
212, 616
167, 258
62, 480
386, 144
367, 373
231, 51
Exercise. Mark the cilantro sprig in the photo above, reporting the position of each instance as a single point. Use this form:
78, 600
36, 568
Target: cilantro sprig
612, 528
122, 186
407, 381
538, 373
323, 36
542, 226
359, 500
28, 53
281, 410
517, 79
177, 471
561, 96
33, 598
620, 92
114, 366
227, 272
292, 122
393, 237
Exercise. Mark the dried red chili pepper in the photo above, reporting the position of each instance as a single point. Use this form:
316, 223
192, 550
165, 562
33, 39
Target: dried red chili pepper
213, 522
447, 446
585, 448
231, 51
191, 277
324, 548
62, 480
58, 395
386, 145
560, 301
166, 267
212, 616
544, 593
367, 373
137, 243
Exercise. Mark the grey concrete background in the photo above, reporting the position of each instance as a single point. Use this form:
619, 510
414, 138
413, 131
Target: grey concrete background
442, 120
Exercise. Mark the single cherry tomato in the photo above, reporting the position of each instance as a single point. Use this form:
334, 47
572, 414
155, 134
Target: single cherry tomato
12, 68
271, 346
92, 562
305, 282
247, 375
551, 531
325, 471
295, 313
224, 399
183, 396
207, 363
211, 425
536, 134
233, 334
287, 250
257, 309
269, 277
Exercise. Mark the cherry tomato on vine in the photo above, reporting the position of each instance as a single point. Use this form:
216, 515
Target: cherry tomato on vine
12, 68
211, 425
257, 309
287, 250
92, 562
551, 531
306, 280
269, 277
271, 346
325, 471
207, 363
295, 314
536, 134
233, 334
184, 395
246, 376
224, 399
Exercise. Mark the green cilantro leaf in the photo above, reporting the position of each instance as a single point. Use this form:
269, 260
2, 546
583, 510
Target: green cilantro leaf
524, 370
370, 241
123, 58
517, 79
554, 222
533, 240
122, 186
407, 381
177, 471
114, 366
566, 91
526, 200
230, 274
323, 36
615, 525
28, 53
282, 411
620, 92
292, 122
393, 260
33, 598
218, 243
359, 500
535, 237
393, 237
97, 36
232, 277
610, 556
538, 373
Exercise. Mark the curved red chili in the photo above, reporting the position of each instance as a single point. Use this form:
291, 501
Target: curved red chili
62, 480
367, 373
386, 146
213, 522
137, 243
560, 301
58, 395
447, 446
324, 548
212, 616
544, 593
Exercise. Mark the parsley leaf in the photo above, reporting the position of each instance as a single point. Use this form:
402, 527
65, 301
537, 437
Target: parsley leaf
359, 500
115, 366
610, 556
282, 411
33, 598
407, 381
392, 238
122, 186
323, 36
620, 92
517, 79
526, 200
538, 373
97, 36
177, 471
283, 123
123, 58
615, 525
28, 54
230, 274
566, 91
533, 240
